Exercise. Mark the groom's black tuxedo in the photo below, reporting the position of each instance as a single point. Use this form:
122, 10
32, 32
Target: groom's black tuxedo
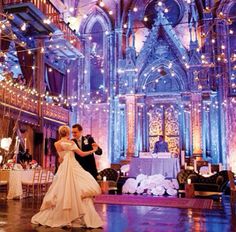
88, 162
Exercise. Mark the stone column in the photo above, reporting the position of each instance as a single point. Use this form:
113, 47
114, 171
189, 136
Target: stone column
206, 136
141, 123
130, 117
196, 124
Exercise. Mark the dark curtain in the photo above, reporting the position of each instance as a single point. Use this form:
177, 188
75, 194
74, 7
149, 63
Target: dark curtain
55, 80
5, 43
26, 63
49, 147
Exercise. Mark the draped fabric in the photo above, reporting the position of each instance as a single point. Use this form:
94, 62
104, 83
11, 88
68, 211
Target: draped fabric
55, 80
26, 61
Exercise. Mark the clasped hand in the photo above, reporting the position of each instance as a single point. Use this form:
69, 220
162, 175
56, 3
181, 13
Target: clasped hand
95, 146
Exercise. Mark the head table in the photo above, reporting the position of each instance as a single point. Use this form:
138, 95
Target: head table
168, 167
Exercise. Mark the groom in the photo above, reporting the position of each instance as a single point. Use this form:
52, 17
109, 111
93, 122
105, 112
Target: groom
85, 144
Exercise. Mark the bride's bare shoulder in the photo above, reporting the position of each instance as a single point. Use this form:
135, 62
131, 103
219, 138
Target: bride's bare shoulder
56, 144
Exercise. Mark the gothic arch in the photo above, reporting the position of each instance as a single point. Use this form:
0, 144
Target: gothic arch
96, 15
94, 79
225, 7
180, 74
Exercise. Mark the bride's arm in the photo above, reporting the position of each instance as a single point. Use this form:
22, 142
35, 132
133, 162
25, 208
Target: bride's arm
83, 153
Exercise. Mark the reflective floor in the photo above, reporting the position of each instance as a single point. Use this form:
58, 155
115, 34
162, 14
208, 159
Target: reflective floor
15, 216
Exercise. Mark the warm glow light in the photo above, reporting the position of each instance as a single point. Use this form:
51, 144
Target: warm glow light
5, 143
46, 21
101, 4
23, 27
71, 9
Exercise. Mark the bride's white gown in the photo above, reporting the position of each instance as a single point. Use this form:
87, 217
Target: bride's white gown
69, 200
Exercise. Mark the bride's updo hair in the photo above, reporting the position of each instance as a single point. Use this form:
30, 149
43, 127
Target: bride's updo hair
64, 131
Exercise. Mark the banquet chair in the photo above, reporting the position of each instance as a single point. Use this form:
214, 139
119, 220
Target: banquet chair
49, 177
200, 164
112, 177
116, 167
232, 188
32, 186
215, 168
4, 180
43, 182
188, 165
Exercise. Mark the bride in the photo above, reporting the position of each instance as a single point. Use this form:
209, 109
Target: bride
69, 200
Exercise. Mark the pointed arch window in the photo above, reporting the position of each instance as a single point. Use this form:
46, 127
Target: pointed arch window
97, 33
96, 58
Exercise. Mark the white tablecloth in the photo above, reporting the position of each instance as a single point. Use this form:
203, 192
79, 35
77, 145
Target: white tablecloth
15, 185
168, 167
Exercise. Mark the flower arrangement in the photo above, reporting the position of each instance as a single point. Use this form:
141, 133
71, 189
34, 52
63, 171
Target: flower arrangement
33, 164
151, 185
12, 165
9, 164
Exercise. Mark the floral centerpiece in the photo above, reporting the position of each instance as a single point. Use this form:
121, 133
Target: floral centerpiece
33, 164
9, 164
12, 165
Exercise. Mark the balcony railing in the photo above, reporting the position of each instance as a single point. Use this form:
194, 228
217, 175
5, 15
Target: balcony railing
55, 112
20, 99
49, 10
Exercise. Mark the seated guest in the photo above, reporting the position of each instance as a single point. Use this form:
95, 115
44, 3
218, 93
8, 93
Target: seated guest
161, 145
21, 79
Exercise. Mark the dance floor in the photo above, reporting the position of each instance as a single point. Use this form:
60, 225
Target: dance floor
15, 217
143, 200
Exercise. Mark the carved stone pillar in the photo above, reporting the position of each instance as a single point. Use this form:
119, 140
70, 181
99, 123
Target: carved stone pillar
186, 125
139, 129
141, 125
130, 105
196, 124
206, 136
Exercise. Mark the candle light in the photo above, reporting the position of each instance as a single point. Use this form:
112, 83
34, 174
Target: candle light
189, 181
209, 168
182, 157
185, 165
104, 178
195, 165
